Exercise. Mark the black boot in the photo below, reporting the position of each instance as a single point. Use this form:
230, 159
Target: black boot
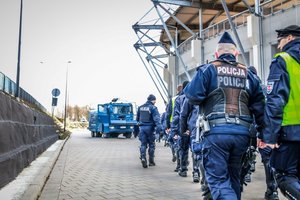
271, 195
182, 173
206, 192
151, 161
174, 158
144, 162
196, 177
247, 178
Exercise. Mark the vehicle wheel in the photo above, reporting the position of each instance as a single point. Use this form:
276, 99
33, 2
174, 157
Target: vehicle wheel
128, 135
92, 134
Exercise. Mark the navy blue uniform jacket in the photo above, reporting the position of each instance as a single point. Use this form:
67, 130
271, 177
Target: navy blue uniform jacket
155, 117
205, 81
175, 125
277, 98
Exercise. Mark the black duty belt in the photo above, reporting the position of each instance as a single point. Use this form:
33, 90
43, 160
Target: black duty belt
230, 120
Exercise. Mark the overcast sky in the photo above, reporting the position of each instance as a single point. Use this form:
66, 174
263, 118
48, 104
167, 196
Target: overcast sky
95, 35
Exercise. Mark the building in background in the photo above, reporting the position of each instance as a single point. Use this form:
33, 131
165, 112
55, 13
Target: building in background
191, 30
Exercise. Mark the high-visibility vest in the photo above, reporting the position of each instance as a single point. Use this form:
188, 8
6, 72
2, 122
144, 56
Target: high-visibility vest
291, 111
173, 105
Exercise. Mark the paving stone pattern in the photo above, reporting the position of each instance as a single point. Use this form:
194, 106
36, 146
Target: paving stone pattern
109, 168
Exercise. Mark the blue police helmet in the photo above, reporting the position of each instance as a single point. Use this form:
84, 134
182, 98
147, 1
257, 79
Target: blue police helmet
226, 38
151, 97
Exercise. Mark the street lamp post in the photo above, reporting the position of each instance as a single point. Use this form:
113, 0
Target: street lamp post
17, 94
66, 95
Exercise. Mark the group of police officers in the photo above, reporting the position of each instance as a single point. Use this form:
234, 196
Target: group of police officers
213, 115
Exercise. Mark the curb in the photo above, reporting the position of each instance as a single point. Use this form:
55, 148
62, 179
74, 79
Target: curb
30, 182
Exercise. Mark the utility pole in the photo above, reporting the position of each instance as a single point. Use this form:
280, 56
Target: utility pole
17, 94
66, 96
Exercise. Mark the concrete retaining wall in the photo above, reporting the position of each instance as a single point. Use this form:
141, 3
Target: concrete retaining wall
24, 134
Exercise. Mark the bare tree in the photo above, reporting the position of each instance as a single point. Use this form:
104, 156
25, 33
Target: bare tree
76, 113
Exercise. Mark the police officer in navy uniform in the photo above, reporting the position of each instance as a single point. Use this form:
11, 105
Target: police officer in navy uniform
188, 117
169, 118
183, 139
265, 154
148, 119
282, 112
229, 96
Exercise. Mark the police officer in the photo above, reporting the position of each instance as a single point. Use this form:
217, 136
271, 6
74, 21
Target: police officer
169, 118
265, 153
170, 107
148, 119
282, 112
163, 124
229, 96
188, 117
183, 139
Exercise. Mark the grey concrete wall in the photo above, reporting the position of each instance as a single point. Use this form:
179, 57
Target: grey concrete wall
271, 23
24, 134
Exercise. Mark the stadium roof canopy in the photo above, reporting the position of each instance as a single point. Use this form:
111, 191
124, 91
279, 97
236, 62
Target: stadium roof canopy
213, 13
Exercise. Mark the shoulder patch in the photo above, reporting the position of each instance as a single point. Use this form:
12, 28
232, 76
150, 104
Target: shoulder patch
270, 87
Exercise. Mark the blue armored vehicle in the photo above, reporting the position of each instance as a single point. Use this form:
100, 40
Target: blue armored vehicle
112, 119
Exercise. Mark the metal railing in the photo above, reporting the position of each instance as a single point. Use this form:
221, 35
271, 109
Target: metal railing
9, 87
272, 7
186, 45
239, 20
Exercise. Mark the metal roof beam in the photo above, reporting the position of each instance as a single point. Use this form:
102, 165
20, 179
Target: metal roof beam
159, 43
158, 89
195, 16
150, 56
211, 21
209, 5
231, 7
179, 3
191, 26
173, 43
178, 21
150, 44
164, 66
157, 75
158, 56
251, 10
152, 27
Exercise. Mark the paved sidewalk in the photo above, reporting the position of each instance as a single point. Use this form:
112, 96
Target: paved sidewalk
101, 168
